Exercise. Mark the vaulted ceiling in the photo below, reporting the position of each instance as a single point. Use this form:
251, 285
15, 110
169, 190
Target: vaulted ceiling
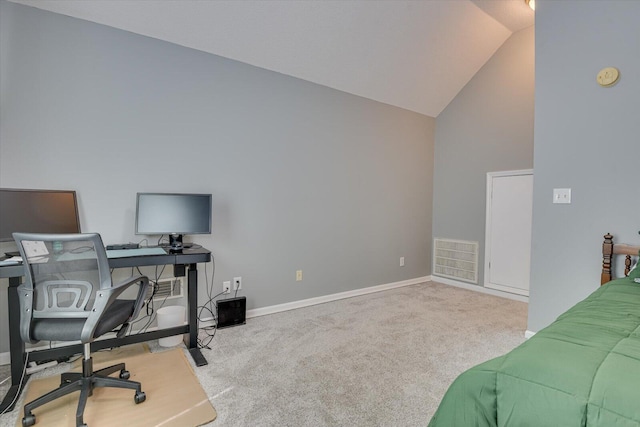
414, 54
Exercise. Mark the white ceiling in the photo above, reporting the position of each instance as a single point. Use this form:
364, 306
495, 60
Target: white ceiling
414, 54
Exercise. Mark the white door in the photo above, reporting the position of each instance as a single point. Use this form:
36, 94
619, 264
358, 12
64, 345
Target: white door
508, 231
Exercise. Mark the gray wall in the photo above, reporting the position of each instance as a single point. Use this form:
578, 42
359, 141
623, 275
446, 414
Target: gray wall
302, 176
586, 138
488, 127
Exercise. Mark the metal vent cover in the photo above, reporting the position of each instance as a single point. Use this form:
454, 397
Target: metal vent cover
456, 259
166, 288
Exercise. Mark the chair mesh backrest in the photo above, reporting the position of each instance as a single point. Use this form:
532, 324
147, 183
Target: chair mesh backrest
62, 275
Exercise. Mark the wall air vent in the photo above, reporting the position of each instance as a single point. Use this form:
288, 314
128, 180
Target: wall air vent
166, 288
456, 259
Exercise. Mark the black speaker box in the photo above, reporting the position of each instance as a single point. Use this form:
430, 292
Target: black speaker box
231, 312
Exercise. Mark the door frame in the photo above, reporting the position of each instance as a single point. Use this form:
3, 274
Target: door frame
487, 232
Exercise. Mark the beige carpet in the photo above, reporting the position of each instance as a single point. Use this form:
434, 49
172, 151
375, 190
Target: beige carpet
174, 395
378, 360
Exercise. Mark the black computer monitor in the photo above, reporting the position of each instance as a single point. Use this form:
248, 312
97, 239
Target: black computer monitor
174, 214
37, 211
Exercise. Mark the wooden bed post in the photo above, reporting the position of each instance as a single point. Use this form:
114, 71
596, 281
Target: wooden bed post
607, 252
627, 265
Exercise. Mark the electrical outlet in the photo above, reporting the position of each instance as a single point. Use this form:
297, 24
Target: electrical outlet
226, 287
237, 283
299, 276
401, 261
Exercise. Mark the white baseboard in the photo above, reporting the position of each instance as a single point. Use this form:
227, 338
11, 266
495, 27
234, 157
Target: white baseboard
333, 297
481, 289
528, 334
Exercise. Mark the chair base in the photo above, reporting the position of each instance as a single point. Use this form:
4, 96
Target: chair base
84, 382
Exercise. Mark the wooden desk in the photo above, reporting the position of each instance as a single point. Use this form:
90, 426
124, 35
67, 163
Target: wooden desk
185, 263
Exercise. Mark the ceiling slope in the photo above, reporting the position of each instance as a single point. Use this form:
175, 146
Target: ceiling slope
412, 54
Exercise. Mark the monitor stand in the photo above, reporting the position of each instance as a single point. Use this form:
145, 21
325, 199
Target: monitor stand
175, 242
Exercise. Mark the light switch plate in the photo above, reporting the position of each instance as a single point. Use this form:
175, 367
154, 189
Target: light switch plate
561, 195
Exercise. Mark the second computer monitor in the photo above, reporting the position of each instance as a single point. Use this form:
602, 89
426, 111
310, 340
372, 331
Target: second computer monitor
174, 214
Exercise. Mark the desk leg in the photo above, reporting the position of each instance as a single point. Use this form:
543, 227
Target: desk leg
192, 301
16, 346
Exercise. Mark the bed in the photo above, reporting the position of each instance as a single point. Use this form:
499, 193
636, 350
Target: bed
582, 370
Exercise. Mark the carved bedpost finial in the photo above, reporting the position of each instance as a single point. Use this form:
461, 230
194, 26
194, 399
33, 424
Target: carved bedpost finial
607, 251
627, 265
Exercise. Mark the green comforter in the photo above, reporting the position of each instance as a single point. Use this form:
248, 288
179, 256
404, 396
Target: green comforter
582, 370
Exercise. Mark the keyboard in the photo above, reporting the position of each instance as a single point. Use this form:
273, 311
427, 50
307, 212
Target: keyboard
122, 253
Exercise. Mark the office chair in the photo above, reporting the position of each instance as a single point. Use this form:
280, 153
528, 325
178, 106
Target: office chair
68, 295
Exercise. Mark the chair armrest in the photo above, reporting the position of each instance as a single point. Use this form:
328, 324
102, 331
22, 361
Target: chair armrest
143, 284
111, 295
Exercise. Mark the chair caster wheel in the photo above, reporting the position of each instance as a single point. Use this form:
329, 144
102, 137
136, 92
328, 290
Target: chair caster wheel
28, 420
140, 397
124, 374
